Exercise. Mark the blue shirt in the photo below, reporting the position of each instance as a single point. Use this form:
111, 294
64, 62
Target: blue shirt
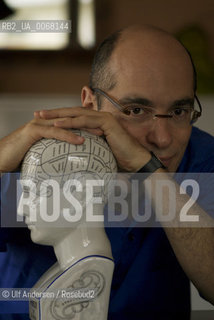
148, 282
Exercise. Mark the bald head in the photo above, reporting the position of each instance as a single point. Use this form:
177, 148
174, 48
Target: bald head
126, 48
149, 40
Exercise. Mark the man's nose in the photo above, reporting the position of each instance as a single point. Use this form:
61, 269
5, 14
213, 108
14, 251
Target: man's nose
160, 133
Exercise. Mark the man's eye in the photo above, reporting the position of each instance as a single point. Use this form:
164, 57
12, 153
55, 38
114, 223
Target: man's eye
135, 110
182, 112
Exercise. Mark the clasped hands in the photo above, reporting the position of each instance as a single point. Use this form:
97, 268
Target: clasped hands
129, 153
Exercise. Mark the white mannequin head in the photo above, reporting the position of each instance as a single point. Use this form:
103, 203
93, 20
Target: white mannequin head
57, 163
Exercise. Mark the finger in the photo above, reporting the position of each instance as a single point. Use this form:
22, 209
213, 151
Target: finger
36, 115
97, 132
60, 112
50, 132
64, 135
51, 122
86, 122
45, 122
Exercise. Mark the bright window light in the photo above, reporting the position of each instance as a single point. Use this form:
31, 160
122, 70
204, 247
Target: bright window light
86, 23
15, 4
36, 10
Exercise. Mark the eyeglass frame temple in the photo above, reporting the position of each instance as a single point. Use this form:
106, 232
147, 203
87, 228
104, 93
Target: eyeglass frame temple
116, 104
196, 113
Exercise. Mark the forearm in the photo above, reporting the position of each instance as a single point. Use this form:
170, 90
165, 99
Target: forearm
194, 250
192, 242
12, 150
14, 146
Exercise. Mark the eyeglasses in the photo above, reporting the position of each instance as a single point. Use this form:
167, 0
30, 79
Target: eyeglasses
180, 115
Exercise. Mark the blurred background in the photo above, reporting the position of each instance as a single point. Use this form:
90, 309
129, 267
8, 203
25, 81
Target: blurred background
47, 70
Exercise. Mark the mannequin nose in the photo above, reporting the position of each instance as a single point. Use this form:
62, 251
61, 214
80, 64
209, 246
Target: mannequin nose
160, 133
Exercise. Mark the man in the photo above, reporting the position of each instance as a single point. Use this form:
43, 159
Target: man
140, 71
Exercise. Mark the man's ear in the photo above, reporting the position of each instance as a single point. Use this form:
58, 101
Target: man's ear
88, 98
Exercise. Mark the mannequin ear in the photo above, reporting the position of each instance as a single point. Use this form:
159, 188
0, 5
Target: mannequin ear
88, 98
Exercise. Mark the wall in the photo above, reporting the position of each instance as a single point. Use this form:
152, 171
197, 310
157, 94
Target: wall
66, 72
